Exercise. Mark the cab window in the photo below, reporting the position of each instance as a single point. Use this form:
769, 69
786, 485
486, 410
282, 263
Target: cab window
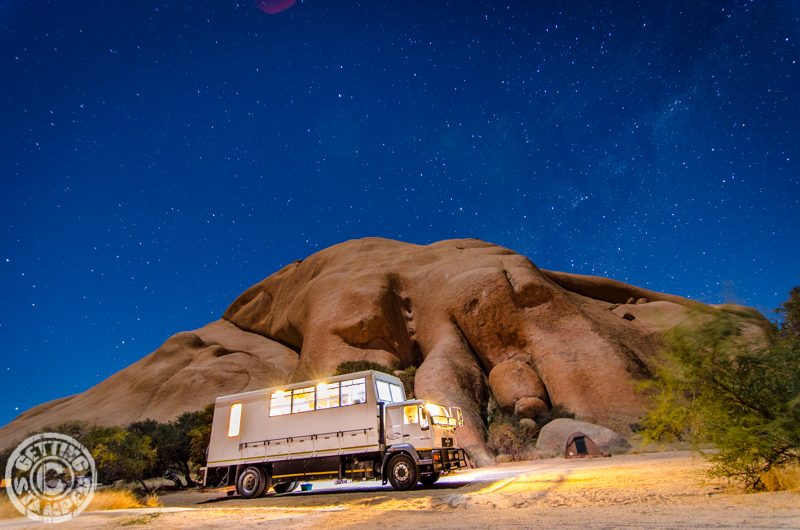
410, 414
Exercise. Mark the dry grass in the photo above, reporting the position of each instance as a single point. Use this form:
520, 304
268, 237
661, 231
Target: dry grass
102, 500
782, 479
120, 499
153, 501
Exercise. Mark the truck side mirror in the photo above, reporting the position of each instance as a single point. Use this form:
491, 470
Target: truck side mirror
423, 418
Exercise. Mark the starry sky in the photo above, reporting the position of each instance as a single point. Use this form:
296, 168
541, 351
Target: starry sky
157, 158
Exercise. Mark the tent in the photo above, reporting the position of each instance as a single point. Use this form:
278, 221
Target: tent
581, 446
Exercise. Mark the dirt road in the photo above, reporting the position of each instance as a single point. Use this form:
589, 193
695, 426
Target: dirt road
664, 490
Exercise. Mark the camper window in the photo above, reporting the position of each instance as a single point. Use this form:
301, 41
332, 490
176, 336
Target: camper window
235, 420
398, 394
303, 399
389, 392
323, 396
327, 395
384, 394
280, 403
354, 392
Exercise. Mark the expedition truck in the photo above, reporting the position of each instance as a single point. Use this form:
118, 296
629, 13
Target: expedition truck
357, 425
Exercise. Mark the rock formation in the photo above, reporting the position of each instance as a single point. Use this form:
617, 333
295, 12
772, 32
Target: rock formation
479, 320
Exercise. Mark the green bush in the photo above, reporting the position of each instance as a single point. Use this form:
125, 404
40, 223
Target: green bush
508, 437
715, 387
408, 377
349, 367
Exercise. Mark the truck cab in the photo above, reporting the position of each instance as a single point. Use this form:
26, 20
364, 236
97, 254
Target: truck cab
428, 429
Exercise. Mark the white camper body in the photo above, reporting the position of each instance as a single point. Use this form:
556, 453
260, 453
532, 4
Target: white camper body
355, 425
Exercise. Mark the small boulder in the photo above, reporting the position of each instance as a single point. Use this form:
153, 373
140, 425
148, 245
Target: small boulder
553, 436
532, 408
512, 380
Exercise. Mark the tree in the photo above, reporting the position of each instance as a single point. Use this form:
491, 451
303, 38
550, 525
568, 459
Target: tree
789, 312
200, 435
180, 442
120, 454
716, 386
167, 443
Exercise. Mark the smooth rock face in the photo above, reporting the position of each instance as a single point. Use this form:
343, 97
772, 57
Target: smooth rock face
553, 436
476, 318
185, 374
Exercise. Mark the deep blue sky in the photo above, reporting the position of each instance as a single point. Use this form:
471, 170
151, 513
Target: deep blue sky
158, 158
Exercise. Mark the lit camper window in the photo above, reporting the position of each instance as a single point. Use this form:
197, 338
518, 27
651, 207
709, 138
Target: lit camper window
235, 420
327, 395
280, 403
354, 392
303, 399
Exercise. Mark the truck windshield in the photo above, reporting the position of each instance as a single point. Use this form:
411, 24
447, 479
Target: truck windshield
440, 415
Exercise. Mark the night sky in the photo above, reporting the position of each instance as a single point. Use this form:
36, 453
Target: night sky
158, 158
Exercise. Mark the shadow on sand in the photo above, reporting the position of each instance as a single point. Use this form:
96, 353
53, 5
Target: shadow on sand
352, 490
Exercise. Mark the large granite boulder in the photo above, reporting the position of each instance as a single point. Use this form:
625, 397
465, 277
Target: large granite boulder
479, 320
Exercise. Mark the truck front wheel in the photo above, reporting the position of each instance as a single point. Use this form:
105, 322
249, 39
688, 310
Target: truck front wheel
403, 472
252, 482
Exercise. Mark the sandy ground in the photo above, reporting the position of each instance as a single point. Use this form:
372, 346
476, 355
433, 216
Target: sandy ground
663, 490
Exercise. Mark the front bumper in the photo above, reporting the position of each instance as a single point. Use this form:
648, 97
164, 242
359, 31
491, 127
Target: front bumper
445, 460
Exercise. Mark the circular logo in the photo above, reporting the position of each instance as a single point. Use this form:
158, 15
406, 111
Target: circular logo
50, 477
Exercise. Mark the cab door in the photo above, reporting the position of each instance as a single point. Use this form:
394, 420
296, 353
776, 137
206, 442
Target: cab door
394, 425
416, 426
408, 424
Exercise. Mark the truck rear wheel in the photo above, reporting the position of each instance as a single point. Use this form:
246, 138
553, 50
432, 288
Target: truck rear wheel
403, 472
252, 482
285, 487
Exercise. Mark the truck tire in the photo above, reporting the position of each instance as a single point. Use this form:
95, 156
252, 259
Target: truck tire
285, 487
430, 479
403, 472
251, 482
